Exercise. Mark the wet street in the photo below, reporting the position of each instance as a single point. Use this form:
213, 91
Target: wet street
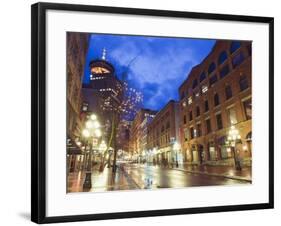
138, 176
157, 177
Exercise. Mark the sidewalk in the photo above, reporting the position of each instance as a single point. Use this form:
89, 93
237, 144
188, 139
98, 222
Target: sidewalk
101, 181
221, 171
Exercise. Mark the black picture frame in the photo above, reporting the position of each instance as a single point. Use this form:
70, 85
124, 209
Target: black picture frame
38, 111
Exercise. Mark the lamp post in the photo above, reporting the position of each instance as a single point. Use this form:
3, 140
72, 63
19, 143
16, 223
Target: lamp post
176, 148
91, 131
233, 137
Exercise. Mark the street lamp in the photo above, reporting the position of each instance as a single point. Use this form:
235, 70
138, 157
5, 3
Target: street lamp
232, 138
91, 130
176, 148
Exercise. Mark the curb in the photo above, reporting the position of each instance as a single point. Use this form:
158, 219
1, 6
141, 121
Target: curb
215, 175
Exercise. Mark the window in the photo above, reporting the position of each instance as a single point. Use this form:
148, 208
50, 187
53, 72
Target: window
194, 83
234, 46
186, 134
216, 99
182, 95
208, 126
190, 116
168, 125
228, 92
232, 116
202, 76
190, 100
219, 121
224, 71
222, 57
213, 79
191, 132
206, 105
197, 111
184, 119
238, 59
199, 132
204, 89
243, 83
248, 108
211, 68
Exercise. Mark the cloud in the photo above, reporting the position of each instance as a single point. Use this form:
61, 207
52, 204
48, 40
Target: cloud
159, 65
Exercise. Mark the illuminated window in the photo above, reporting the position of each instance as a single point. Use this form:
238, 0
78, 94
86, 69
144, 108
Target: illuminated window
99, 70
204, 89
190, 100
232, 116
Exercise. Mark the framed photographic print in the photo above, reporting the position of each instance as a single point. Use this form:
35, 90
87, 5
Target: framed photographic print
139, 112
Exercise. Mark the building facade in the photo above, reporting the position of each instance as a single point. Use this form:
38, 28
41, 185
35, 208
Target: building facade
138, 132
163, 134
215, 96
77, 47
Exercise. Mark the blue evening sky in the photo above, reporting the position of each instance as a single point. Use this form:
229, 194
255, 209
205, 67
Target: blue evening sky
159, 67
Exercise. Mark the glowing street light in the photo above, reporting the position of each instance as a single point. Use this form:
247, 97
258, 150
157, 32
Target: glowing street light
232, 138
93, 117
86, 133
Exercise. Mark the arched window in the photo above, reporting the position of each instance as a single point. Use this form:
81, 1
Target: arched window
234, 46
238, 59
243, 83
197, 111
213, 79
211, 68
194, 83
228, 92
222, 57
216, 99
202, 76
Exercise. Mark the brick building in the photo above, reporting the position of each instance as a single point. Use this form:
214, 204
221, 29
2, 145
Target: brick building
163, 133
217, 94
138, 132
77, 47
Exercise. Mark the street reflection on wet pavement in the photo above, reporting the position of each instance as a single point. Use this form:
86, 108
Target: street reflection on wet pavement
138, 176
